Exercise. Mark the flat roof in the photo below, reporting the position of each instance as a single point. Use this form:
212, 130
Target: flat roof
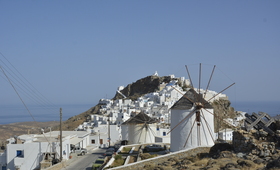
79, 134
75, 136
75, 140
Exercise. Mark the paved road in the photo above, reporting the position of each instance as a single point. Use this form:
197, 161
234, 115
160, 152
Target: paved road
84, 162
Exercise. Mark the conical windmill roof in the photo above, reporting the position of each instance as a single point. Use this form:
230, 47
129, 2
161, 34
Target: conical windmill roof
186, 102
140, 118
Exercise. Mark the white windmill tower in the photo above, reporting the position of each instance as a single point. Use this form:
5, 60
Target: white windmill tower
192, 119
140, 129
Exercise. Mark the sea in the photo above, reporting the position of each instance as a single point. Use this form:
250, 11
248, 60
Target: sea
270, 107
18, 113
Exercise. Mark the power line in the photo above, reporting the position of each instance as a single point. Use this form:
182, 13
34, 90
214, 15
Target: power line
24, 86
10, 82
27, 85
27, 93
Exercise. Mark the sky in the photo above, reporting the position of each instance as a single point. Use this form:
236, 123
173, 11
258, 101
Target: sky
77, 52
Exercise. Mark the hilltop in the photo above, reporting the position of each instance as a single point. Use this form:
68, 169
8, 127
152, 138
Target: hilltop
131, 91
141, 87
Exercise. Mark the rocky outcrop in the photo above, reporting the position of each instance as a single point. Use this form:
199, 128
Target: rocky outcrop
257, 146
142, 86
255, 143
222, 110
215, 151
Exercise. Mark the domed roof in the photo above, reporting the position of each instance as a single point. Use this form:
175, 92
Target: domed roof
187, 101
140, 118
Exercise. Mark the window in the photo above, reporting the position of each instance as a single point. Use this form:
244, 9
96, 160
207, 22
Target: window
19, 153
92, 141
101, 141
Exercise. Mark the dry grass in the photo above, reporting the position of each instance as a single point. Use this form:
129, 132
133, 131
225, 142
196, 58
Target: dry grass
117, 162
202, 163
149, 167
147, 156
224, 162
126, 149
132, 159
16, 129
136, 149
195, 163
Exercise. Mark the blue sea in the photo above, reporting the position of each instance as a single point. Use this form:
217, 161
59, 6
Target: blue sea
272, 108
18, 113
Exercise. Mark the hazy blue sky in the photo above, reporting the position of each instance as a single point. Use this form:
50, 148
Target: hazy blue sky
81, 51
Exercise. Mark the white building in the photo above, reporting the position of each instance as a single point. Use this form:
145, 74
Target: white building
225, 134
28, 151
239, 119
162, 135
103, 137
230, 122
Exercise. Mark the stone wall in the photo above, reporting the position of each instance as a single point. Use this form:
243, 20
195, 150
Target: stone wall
160, 159
255, 145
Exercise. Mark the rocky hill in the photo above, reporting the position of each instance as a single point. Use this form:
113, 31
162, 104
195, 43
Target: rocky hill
141, 87
131, 91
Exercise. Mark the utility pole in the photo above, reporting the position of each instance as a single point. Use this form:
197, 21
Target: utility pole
109, 138
50, 138
60, 135
99, 138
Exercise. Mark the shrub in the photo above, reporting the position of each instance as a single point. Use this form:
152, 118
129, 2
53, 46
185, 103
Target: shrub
118, 157
118, 162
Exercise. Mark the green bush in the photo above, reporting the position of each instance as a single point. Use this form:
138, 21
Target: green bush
118, 157
118, 162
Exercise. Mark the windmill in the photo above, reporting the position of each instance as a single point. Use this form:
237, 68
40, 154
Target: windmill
192, 118
139, 129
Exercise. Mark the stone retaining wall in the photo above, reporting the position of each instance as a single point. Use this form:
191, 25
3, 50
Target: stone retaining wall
160, 159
